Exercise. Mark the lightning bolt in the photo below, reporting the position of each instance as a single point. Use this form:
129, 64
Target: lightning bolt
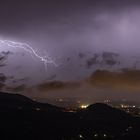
44, 59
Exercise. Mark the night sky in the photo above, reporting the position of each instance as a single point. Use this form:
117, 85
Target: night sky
91, 41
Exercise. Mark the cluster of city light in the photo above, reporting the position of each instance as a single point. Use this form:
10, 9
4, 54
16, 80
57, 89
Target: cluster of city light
127, 106
27, 48
100, 135
84, 106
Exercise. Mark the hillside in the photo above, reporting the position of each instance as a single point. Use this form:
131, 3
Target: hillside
22, 118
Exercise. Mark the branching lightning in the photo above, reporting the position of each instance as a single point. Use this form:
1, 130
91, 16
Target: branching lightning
44, 59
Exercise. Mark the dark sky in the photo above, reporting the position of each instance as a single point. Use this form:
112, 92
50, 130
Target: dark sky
16, 15
81, 36
65, 23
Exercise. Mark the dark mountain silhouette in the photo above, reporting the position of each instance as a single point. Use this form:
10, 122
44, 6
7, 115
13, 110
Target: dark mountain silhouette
104, 119
23, 118
104, 111
16, 101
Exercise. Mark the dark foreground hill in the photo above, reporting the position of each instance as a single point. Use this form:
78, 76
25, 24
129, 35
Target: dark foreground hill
22, 118
100, 111
16, 101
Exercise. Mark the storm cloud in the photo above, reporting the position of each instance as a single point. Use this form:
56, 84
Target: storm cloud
72, 32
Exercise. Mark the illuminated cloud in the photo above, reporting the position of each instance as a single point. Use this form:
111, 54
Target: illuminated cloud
16, 89
78, 35
57, 85
125, 79
102, 84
